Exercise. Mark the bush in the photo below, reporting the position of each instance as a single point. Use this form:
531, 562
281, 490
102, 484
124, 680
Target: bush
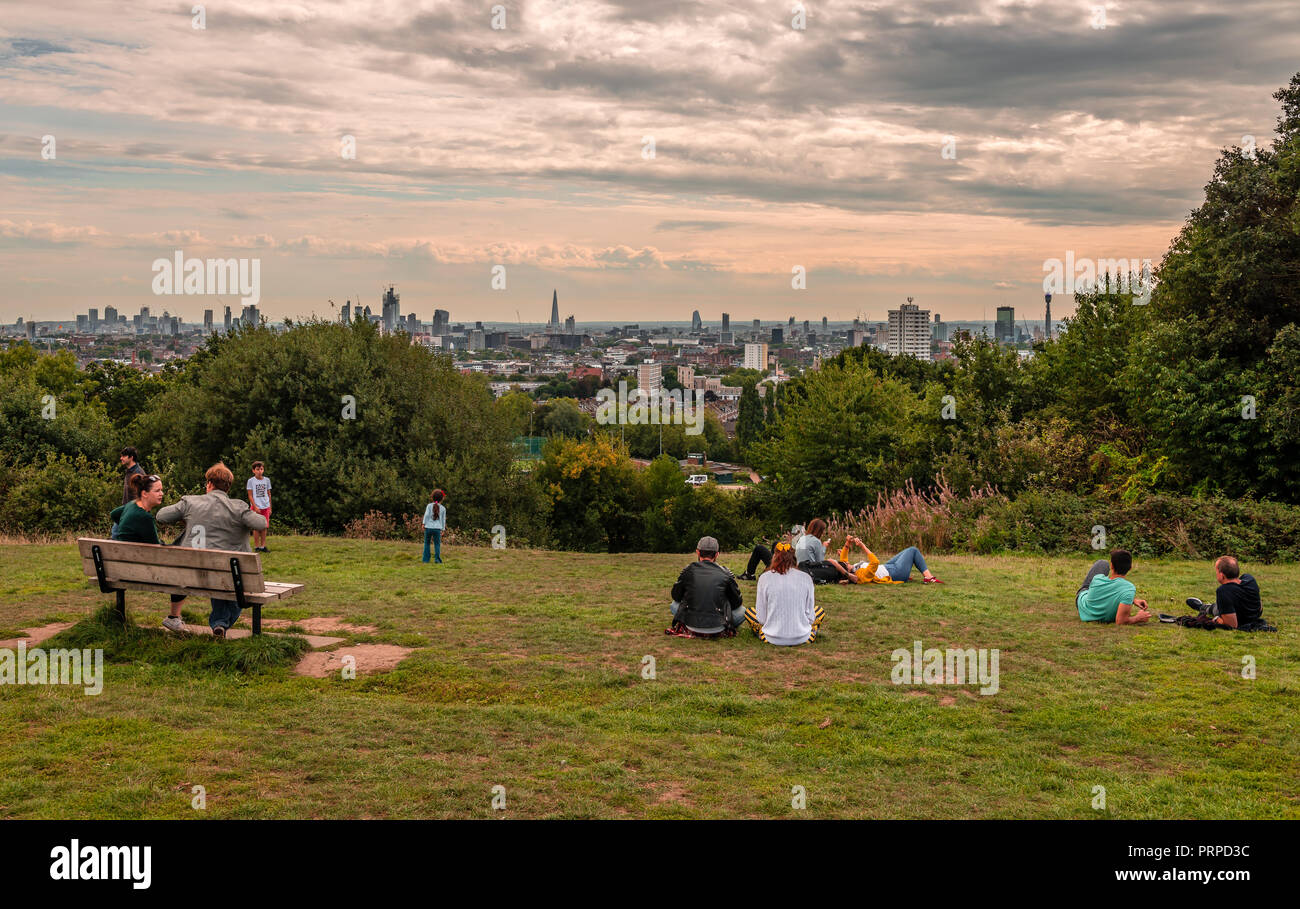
59, 494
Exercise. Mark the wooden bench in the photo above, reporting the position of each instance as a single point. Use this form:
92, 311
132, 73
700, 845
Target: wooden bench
119, 567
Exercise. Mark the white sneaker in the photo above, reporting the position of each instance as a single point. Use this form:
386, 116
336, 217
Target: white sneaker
174, 623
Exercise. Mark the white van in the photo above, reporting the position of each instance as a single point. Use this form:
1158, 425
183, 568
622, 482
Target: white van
697, 479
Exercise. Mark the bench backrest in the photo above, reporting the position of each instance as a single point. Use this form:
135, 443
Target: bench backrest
171, 566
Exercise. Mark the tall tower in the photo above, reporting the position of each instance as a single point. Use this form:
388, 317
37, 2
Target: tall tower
1047, 298
555, 310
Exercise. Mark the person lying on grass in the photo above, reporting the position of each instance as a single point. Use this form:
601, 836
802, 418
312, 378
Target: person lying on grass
786, 612
895, 570
706, 597
1236, 603
1108, 596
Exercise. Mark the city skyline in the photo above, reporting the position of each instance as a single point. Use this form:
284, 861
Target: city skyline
688, 158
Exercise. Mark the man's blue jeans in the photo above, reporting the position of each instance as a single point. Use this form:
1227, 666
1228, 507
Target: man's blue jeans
224, 613
900, 566
436, 536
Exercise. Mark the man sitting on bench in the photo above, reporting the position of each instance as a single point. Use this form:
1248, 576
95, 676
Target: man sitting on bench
1236, 603
1108, 596
216, 521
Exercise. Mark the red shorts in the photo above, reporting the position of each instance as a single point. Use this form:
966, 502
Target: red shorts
264, 512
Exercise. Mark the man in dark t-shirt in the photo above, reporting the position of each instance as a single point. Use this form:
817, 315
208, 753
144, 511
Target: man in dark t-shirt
129, 458
1236, 602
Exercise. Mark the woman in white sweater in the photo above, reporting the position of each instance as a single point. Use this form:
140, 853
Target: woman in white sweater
785, 613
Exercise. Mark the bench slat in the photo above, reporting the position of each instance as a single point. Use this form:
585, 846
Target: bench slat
171, 576
177, 565
181, 556
279, 593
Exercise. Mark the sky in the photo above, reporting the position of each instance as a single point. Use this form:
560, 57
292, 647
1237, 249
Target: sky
643, 158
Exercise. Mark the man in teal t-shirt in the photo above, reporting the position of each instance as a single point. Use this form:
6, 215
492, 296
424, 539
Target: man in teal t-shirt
1108, 596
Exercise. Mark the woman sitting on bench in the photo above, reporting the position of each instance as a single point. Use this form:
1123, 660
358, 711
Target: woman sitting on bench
134, 523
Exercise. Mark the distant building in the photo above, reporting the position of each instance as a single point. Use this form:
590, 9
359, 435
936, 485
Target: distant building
554, 323
726, 321
392, 310
823, 323
857, 337
227, 320
650, 377
909, 331
1047, 321
440, 320
940, 331
778, 335
686, 376
94, 320
758, 325
570, 326
345, 314
726, 338
756, 355
207, 320
1004, 330
696, 324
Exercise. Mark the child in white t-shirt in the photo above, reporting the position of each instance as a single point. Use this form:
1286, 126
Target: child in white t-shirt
259, 499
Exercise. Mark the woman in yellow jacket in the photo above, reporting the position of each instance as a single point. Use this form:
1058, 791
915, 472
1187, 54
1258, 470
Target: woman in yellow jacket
894, 571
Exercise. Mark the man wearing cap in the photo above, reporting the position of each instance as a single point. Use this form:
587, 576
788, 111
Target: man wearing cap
706, 597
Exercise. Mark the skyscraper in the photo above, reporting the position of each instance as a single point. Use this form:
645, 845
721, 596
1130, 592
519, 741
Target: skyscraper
1047, 298
823, 323
569, 325
726, 321
110, 315
227, 320
207, 320
392, 311
778, 334
1004, 330
555, 311
909, 331
696, 323
94, 320
345, 314
756, 356
441, 318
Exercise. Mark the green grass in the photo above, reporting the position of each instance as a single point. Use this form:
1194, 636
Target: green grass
527, 674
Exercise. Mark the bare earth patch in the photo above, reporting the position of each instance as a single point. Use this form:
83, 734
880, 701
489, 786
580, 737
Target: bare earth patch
36, 636
370, 658
320, 625
235, 633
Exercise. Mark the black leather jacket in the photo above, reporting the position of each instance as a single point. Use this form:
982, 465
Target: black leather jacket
707, 593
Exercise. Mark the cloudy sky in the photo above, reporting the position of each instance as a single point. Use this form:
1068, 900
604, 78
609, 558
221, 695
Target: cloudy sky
528, 146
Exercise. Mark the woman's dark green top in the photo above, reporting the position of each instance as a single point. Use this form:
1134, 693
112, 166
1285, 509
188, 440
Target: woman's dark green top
134, 524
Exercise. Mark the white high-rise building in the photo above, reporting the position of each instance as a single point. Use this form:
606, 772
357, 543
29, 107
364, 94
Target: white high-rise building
650, 377
909, 331
756, 355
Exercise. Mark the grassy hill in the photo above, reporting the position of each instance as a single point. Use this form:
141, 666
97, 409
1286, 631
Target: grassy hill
527, 674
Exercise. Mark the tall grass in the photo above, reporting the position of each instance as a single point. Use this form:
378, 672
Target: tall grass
909, 517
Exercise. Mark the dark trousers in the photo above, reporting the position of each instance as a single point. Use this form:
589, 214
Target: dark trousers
224, 613
822, 572
762, 554
1101, 566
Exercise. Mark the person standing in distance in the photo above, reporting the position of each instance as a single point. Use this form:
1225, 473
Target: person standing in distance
259, 500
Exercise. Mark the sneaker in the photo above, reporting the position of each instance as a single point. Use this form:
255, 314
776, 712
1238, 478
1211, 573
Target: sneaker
174, 623
266, 549
1195, 603
219, 632
745, 577
932, 581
